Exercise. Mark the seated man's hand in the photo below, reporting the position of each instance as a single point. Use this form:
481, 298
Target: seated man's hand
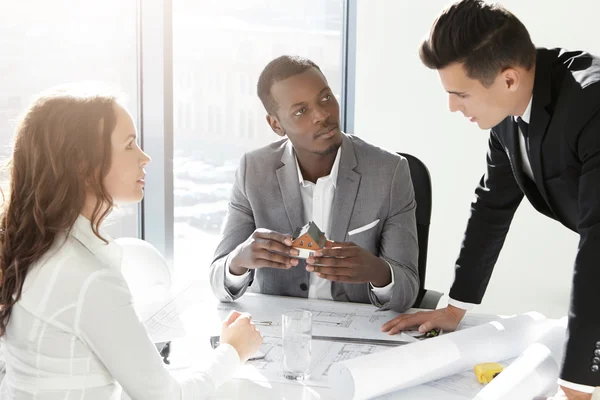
264, 248
446, 319
347, 262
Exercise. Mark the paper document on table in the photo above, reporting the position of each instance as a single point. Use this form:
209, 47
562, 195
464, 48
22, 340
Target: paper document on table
162, 320
464, 383
329, 318
435, 358
324, 354
534, 373
472, 319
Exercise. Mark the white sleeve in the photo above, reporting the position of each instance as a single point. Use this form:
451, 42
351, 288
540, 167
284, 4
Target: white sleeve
106, 321
384, 294
235, 282
460, 304
577, 386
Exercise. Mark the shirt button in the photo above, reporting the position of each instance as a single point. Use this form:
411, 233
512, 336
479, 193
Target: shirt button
303, 286
595, 368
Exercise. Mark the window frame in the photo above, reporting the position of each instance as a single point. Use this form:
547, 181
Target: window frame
156, 112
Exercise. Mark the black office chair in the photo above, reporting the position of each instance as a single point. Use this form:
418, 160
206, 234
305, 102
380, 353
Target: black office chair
421, 180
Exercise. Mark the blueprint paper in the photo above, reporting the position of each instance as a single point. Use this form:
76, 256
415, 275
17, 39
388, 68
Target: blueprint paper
534, 373
324, 355
425, 361
330, 318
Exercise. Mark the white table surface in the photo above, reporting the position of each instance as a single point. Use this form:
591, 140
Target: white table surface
201, 320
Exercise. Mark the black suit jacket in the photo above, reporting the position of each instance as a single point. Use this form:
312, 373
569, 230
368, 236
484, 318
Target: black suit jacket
564, 152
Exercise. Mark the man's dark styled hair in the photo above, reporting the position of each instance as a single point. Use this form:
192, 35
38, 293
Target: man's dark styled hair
486, 38
277, 70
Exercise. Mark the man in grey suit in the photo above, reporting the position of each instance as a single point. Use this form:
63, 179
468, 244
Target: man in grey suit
361, 196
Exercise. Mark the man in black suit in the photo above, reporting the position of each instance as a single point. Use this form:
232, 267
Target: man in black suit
543, 109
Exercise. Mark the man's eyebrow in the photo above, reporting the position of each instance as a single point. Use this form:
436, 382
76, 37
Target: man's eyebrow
457, 93
302, 103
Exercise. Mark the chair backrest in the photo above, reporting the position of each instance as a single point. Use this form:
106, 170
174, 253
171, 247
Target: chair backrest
422, 185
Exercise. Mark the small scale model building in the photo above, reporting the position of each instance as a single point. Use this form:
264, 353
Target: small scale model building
308, 239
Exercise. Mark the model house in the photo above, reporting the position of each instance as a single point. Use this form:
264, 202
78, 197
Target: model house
308, 239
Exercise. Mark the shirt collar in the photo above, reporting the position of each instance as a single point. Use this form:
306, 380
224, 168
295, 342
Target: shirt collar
527, 114
334, 169
111, 253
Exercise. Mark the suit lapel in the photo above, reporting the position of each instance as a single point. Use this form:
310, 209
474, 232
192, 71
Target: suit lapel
348, 182
514, 154
287, 176
540, 118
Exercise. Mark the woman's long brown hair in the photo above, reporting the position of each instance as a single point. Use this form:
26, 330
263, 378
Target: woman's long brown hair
62, 152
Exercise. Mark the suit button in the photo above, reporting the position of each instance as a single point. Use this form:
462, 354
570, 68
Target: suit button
598, 345
303, 286
595, 368
596, 360
597, 352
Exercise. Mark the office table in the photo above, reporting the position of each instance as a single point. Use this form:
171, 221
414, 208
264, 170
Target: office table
203, 319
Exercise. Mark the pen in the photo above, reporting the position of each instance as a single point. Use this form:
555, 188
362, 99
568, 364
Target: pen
263, 323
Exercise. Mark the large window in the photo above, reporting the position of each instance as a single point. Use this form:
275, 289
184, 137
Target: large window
47, 43
219, 50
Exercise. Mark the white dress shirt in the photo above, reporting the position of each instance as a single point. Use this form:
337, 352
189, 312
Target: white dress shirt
2, 365
74, 333
317, 199
526, 117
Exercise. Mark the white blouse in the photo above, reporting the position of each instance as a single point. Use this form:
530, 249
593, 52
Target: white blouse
74, 334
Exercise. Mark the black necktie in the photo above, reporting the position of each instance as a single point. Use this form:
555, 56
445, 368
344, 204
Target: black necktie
523, 126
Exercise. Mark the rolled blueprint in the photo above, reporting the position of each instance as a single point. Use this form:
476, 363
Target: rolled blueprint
534, 373
416, 363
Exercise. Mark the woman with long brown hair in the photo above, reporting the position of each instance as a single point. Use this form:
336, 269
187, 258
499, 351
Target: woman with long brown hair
68, 326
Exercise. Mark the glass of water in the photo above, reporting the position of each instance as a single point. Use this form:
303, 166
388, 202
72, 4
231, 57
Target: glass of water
297, 336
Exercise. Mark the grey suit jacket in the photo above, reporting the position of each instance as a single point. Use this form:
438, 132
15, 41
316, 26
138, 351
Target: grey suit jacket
372, 184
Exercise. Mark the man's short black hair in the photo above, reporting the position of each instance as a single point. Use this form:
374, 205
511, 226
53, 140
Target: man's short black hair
486, 38
277, 70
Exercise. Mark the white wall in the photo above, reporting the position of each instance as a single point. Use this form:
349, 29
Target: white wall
400, 105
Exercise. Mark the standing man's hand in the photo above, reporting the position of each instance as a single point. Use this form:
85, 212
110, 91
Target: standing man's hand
348, 262
567, 394
264, 248
446, 319
574, 394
